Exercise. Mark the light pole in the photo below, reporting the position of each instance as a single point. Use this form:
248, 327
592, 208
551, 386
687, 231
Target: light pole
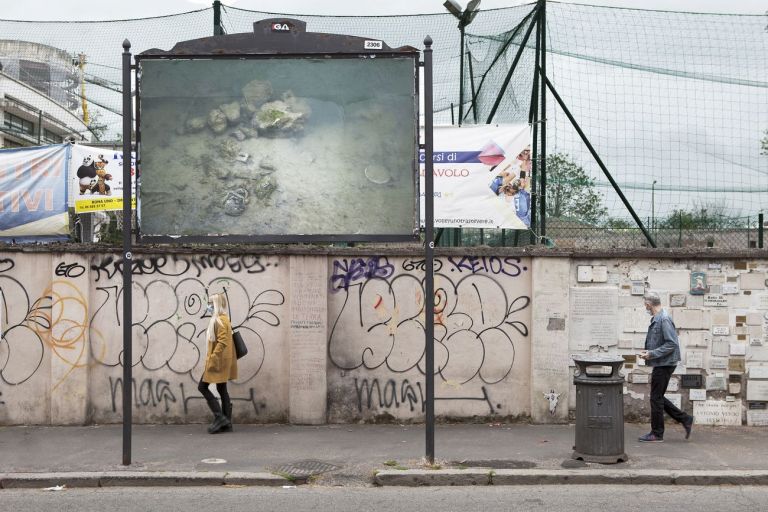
465, 17
653, 208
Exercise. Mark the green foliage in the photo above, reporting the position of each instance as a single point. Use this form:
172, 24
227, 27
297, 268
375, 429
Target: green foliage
701, 216
764, 144
97, 128
620, 224
571, 192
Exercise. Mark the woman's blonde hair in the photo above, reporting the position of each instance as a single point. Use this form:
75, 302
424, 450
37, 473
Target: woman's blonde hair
219, 301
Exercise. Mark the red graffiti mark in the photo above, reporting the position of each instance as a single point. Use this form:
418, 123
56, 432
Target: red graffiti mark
378, 302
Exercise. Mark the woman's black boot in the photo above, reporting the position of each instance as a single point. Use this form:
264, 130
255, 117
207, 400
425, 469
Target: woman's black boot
219, 420
226, 407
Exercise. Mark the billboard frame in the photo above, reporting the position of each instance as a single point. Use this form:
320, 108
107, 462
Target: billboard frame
293, 44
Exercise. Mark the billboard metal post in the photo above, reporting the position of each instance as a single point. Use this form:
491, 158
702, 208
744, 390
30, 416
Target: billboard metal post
127, 256
429, 249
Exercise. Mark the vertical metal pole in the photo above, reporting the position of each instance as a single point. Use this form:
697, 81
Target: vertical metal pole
39, 127
461, 75
543, 169
217, 28
429, 247
127, 257
760, 231
533, 118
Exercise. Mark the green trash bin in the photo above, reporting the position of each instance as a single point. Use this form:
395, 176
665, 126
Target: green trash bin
599, 409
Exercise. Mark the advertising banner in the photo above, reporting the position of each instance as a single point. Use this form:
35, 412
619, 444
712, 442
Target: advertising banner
33, 192
481, 176
96, 179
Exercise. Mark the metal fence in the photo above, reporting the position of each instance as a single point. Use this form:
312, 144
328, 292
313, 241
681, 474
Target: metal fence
675, 104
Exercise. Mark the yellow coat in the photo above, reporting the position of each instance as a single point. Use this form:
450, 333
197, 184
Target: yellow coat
221, 362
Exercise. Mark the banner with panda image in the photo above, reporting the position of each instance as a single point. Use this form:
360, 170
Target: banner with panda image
96, 176
481, 176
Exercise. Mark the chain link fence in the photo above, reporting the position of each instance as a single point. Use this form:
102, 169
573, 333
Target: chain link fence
675, 104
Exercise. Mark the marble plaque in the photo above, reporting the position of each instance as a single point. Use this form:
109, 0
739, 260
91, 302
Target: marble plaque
758, 372
638, 288
757, 390
694, 359
729, 288
717, 412
720, 348
762, 301
718, 363
721, 330
677, 300
734, 388
738, 349
674, 385
675, 398
716, 382
594, 318
715, 301
640, 378
757, 418
737, 364
697, 394
752, 281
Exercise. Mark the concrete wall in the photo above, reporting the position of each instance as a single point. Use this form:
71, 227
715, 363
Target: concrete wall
340, 338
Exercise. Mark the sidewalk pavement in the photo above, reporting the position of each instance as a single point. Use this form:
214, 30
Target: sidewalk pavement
359, 455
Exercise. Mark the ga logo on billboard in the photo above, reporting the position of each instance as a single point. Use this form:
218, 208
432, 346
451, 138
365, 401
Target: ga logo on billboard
281, 27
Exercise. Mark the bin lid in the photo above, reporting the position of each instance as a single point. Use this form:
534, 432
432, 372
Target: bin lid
597, 358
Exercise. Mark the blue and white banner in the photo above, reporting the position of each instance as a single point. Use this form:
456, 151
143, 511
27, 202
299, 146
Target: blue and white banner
33, 192
481, 176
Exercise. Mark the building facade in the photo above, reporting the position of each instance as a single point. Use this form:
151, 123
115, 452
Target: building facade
39, 96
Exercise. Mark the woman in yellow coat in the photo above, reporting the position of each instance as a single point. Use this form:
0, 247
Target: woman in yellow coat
220, 364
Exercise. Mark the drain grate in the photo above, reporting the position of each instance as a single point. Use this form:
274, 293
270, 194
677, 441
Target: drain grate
304, 468
495, 464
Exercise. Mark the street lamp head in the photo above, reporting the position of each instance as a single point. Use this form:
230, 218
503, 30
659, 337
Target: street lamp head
470, 12
453, 7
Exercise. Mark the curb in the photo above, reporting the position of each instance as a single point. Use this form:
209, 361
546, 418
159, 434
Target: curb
139, 479
483, 476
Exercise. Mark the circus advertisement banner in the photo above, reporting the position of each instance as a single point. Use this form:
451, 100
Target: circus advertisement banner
481, 176
96, 179
33, 193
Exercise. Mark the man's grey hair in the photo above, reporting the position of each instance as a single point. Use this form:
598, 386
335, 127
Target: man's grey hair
652, 298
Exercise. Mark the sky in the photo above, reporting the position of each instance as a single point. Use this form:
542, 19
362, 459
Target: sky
61, 10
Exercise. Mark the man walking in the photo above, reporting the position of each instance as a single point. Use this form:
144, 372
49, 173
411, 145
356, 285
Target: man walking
662, 352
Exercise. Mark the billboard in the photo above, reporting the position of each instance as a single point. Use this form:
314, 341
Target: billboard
481, 176
33, 193
278, 149
96, 179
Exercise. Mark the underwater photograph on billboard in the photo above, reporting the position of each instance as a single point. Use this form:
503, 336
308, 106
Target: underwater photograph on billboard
278, 147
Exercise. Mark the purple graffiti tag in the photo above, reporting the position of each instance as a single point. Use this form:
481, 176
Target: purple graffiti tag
346, 272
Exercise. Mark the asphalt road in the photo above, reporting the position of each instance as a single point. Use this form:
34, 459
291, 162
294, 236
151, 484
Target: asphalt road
443, 499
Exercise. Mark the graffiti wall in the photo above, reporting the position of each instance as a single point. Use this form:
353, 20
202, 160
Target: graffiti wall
376, 343
62, 331
61, 348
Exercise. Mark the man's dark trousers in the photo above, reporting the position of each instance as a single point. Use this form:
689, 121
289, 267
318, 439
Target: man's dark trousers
659, 382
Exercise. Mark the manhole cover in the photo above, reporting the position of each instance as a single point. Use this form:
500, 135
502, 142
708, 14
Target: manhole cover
304, 468
495, 464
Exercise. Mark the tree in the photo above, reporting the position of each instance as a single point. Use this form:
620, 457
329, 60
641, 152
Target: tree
571, 192
701, 216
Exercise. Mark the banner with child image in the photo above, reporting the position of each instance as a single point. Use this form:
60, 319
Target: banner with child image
481, 176
96, 176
